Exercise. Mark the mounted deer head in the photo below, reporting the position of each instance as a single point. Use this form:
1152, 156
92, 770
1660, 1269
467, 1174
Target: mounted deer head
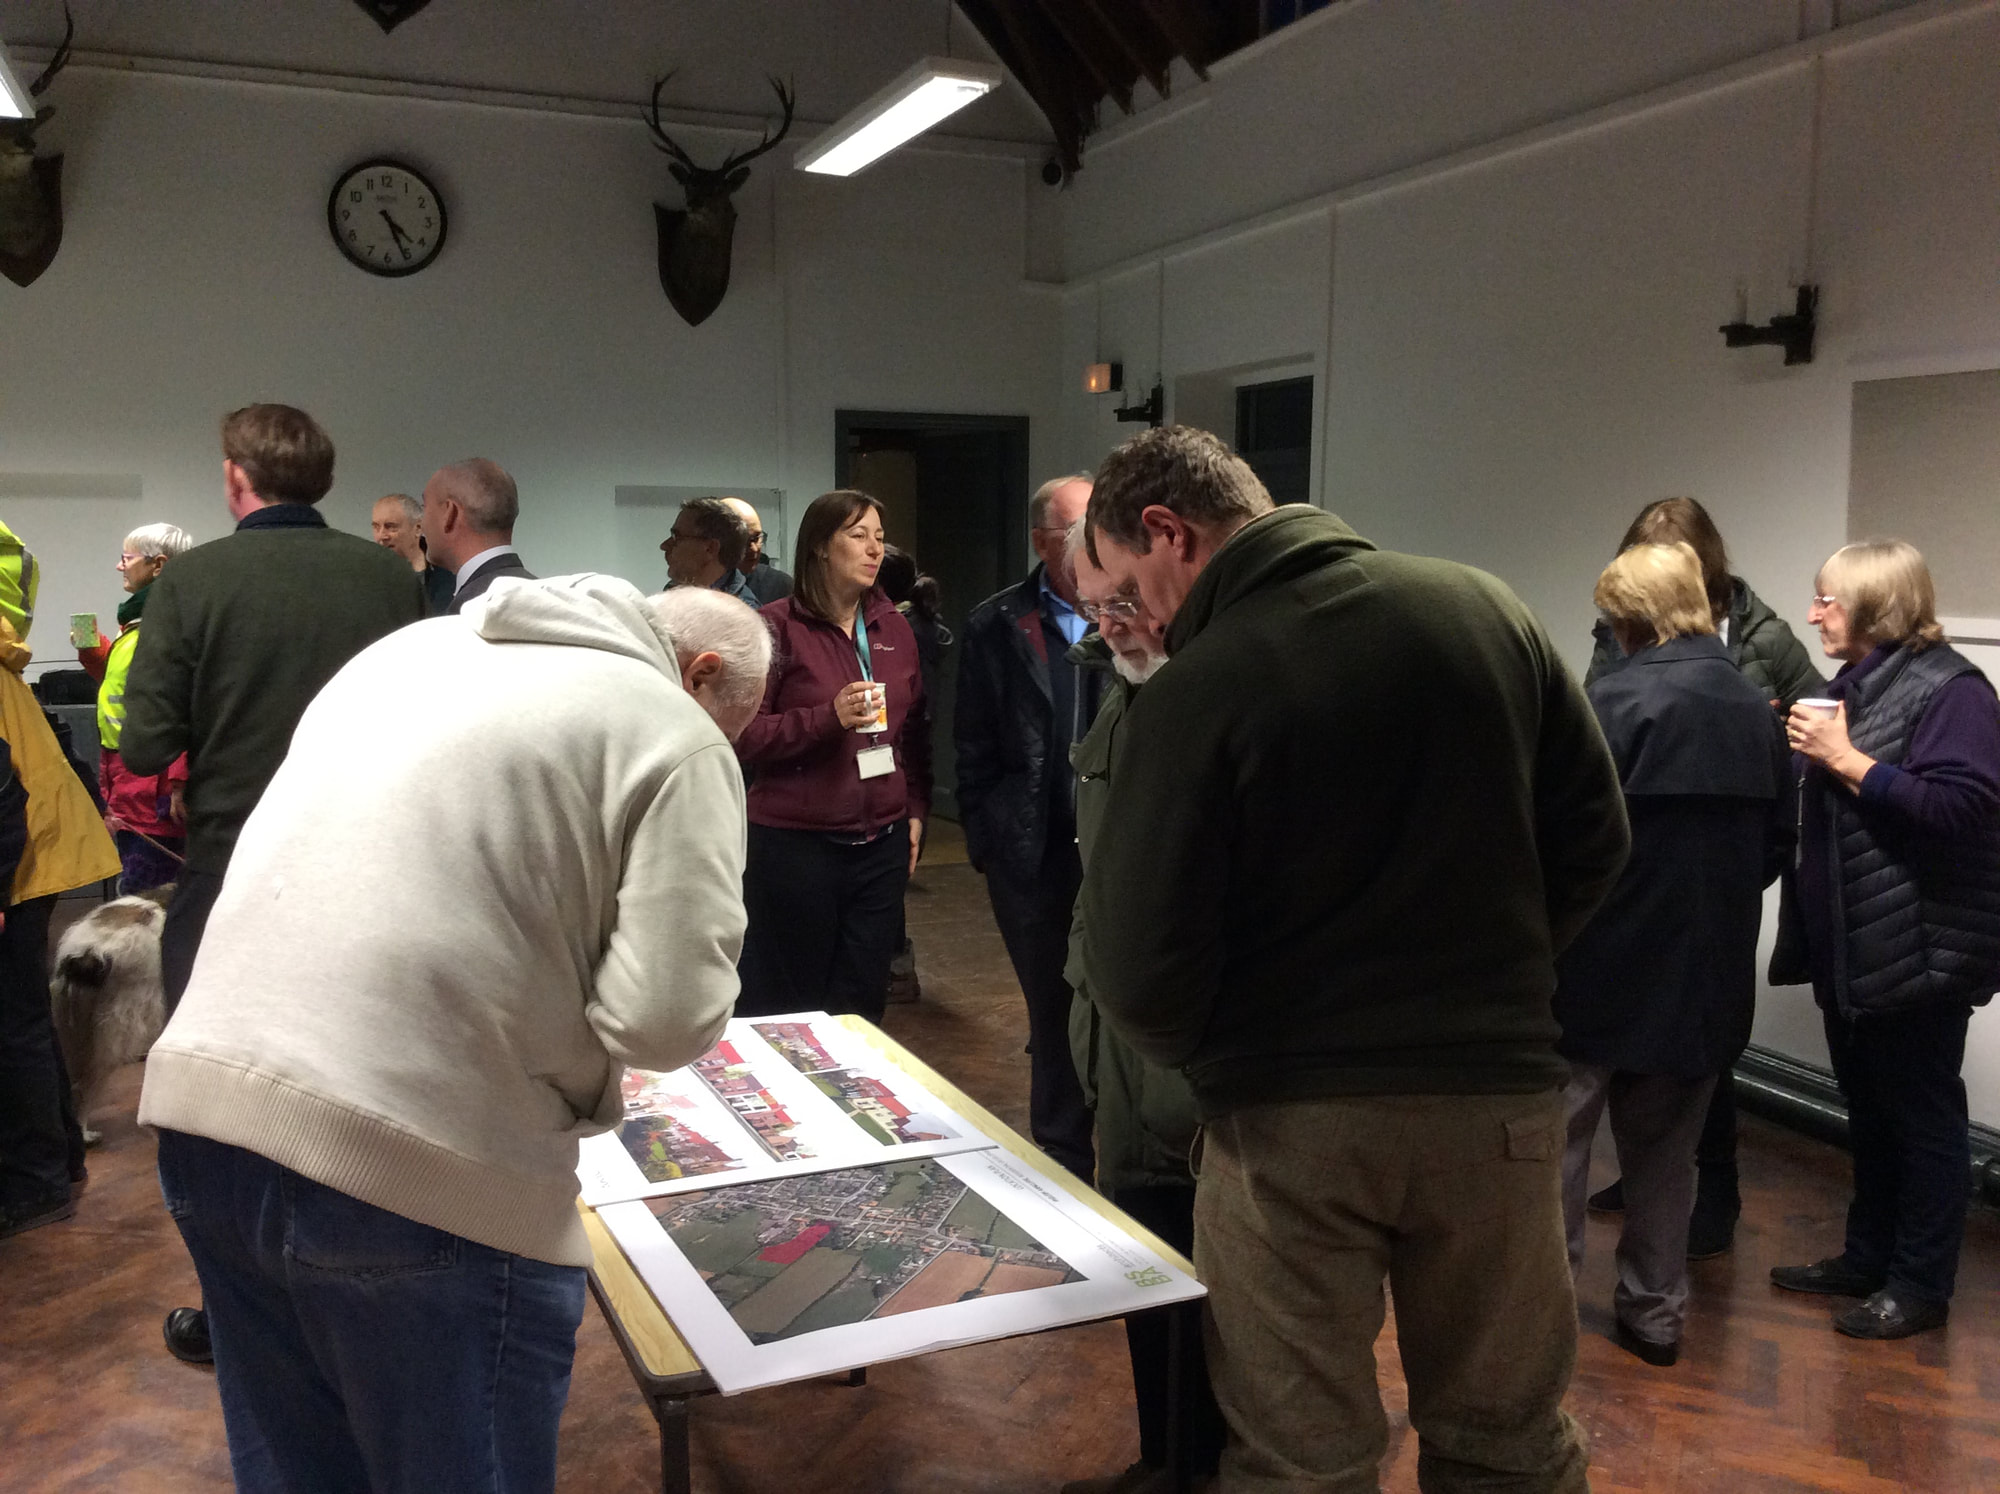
695, 241
31, 185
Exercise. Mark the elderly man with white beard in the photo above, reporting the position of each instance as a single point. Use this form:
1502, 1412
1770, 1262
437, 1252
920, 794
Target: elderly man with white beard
1145, 1113
369, 1120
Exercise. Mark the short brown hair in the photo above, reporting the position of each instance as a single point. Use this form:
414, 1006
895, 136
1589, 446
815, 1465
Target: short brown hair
1887, 590
824, 517
1179, 467
1684, 521
283, 452
714, 519
1659, 585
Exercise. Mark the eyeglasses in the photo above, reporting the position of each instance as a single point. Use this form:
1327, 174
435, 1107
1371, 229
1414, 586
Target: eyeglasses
1119, 609
1824, 602
126, 557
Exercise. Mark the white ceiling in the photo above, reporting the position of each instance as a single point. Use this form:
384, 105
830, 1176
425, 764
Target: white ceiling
837, 52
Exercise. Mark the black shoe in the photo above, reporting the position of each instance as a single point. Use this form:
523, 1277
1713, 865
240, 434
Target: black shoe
1608, 1200
1710, 1233
1832, 1277
32, 1213
1659, 1355
1885, 1315
186, 1332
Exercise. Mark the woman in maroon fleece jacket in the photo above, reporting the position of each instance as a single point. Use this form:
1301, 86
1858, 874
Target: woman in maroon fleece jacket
837, 807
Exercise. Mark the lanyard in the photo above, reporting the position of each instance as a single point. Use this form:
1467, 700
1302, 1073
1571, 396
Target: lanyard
861, 649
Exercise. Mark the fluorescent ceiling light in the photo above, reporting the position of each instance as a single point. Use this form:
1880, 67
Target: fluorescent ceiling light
934, 89
15, 101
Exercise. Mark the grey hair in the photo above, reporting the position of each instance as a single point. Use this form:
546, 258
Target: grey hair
159, 540
1038, 506
412, 509
1077, 541
487, 494
702, 621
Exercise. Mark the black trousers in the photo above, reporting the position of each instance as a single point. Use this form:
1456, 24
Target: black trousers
40, 1141
825, 921
1169, 1213
180, 936
1907, 1127
1715, 1155
1034, 919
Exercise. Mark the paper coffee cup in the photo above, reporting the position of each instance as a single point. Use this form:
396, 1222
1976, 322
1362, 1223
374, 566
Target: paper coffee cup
879, 721
1820, 706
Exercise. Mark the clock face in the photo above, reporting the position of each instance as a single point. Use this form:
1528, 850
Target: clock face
386, 218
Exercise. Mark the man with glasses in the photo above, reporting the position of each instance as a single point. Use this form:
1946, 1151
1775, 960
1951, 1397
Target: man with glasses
1353, 822
1021, 705
705, 548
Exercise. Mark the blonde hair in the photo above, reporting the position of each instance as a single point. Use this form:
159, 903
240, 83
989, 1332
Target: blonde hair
1887, 591
1659, 585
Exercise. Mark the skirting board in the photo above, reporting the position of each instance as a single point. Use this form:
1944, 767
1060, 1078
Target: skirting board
1805, 1098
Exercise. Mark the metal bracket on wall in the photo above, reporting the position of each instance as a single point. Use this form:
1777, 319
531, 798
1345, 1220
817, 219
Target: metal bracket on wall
1150, 412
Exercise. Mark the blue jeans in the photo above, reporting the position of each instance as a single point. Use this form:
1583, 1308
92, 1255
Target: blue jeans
359, 1350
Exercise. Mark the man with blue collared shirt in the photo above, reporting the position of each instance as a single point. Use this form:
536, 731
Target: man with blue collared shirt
705, 548
1021, 707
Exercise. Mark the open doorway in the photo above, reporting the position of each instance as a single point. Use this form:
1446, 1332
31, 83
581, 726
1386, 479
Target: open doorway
954, 493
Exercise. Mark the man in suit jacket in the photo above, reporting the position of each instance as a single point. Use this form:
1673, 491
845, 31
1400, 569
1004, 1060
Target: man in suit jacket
468, 524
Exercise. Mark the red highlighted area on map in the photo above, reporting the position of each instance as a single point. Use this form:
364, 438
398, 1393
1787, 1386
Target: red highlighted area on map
790, 1250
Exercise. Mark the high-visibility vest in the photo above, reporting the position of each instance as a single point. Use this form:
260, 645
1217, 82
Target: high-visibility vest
20, 579
111, 693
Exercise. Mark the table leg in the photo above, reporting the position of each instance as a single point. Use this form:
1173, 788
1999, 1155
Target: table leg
676, 1469
1183, 1330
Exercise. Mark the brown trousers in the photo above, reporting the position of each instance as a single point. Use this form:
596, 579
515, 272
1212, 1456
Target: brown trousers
1302, 1211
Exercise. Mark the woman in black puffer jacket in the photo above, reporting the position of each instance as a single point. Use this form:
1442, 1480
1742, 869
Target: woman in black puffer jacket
1893, 914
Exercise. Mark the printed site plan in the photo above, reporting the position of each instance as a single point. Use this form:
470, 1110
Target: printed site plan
776, 1095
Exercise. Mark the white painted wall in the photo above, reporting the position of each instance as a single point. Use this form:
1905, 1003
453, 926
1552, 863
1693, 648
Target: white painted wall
1516, 332
197, 274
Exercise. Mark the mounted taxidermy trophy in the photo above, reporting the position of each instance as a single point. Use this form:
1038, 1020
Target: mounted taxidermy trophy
30, 185
695, 241
389, 14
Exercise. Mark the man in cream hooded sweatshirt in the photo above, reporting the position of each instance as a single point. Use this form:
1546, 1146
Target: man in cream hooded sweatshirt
368, 1122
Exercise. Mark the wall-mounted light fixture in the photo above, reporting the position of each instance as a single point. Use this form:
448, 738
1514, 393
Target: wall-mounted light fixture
1793, 333
934, 89
1151, 411
15, 101
1104, 378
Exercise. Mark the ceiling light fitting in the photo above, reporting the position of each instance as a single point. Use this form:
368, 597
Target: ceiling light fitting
15, 101
934, 89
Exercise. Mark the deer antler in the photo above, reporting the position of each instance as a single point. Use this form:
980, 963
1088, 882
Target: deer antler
787, 99
62, 55
661, 139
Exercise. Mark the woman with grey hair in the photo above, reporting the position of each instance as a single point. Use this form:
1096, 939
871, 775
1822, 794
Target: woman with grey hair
1892, 913
144, 814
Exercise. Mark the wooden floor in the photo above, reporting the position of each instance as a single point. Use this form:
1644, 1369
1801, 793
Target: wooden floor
1766, 1397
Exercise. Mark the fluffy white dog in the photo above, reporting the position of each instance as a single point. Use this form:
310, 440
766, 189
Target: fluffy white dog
106, 994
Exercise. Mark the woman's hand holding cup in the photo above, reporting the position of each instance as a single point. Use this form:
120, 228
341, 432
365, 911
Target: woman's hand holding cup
859, 706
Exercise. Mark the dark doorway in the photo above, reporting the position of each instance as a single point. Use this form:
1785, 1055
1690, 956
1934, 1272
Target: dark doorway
1274, 435
954, 493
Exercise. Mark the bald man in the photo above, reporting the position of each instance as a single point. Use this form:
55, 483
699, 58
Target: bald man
763, 582
468, 525
395, 522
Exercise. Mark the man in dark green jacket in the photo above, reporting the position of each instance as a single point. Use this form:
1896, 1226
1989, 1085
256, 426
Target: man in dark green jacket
240, 635
1347, 830
1145, 1113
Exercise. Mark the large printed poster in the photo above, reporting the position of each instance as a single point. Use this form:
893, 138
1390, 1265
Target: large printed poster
813, 1273
776, 1095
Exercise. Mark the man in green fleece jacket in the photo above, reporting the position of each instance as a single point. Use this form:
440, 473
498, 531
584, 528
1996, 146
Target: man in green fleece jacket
1346, 833
240, 635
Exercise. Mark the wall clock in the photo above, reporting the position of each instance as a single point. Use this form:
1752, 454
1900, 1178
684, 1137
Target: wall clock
386, 217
